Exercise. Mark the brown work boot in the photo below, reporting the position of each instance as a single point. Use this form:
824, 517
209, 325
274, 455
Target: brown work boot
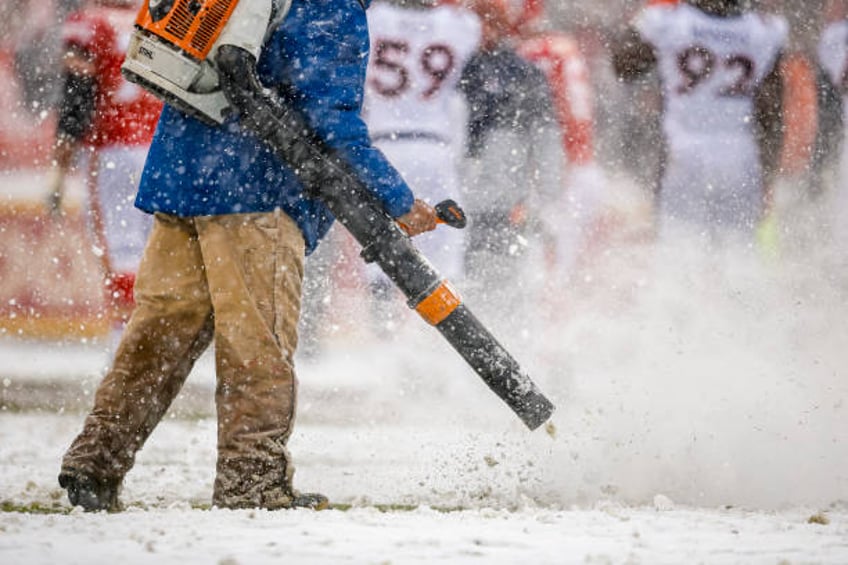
243, 483
276, 499
93, 495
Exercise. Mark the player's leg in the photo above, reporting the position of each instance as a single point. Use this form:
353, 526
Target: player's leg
430, 170
841, 208
335, 294
683, 200
498, 184
124, 228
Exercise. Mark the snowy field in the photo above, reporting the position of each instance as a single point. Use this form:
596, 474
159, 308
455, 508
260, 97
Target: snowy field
397, 487
701, 419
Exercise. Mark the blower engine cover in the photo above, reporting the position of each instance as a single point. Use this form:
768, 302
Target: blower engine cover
173, 47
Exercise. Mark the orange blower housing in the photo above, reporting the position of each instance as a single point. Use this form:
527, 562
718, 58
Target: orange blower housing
189, 25
172, 50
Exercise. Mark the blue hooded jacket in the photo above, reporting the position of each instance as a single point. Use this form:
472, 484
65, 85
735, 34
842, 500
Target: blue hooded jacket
316, 61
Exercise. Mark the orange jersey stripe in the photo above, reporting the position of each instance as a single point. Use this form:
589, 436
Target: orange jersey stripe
559, 57
800, 113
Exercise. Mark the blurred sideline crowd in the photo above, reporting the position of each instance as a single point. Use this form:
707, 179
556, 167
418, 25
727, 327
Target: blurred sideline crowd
565, 129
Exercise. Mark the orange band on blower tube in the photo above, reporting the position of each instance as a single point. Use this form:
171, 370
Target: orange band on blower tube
439, 304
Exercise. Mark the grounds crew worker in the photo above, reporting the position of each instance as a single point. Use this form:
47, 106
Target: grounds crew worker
224, 261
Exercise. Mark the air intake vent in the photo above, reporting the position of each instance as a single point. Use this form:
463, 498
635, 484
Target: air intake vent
180, 21
209, 24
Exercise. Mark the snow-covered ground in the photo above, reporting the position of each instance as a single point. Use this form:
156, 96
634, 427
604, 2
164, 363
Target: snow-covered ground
418, 494
701, 419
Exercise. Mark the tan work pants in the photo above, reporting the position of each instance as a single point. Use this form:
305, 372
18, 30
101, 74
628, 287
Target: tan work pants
236, 278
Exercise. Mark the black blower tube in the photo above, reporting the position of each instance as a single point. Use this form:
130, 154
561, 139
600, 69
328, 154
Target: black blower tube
326, 176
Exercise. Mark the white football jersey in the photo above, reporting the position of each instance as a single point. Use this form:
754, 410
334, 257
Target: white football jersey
833, 55
710, 67
417, 57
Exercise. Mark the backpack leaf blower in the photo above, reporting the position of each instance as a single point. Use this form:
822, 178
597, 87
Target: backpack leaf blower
200, 56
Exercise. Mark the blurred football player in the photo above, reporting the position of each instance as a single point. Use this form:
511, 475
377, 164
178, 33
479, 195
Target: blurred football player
718, 64
106, 123
515, 163
412, 107
833, 57
558, 56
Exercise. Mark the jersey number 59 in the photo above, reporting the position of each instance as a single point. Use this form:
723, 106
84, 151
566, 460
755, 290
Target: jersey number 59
393, 65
